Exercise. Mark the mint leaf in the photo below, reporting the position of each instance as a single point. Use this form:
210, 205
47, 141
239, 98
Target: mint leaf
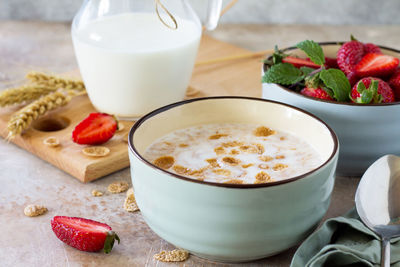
306, 70
313, 51
283, 73
335, 80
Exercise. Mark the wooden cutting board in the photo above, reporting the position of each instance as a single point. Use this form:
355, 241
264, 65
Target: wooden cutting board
239, 77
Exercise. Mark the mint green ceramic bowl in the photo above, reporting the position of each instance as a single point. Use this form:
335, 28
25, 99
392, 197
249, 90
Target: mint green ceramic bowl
228, 222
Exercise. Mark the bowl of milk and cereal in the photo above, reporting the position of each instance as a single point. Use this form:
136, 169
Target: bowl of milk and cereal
232, 178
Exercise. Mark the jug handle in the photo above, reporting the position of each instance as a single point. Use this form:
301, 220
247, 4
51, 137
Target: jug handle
213, 13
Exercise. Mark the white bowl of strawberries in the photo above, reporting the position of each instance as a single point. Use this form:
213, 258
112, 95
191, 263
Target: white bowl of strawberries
354, 87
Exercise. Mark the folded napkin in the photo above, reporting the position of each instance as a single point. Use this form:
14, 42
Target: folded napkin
344, 241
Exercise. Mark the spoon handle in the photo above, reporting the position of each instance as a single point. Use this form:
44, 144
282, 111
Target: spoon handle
385, 256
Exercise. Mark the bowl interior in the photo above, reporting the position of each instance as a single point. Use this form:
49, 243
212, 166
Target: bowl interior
234, 110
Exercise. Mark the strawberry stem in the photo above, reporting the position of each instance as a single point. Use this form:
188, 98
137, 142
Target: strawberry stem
109, 242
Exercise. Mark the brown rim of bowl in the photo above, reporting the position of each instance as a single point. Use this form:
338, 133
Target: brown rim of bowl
334, 102
246, 186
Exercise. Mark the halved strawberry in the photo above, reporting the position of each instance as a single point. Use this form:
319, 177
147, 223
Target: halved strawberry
394, 83
300, 62
96, 129
372, 90
377, 65
316, 93
84, 234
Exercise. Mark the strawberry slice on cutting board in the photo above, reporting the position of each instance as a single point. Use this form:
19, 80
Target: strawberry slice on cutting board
96, 129
84, 234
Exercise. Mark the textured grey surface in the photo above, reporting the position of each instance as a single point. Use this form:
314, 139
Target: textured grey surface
336, 12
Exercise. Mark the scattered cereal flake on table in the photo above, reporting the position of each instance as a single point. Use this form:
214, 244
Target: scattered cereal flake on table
279, 166
34, 210
130, 201
96, 151
118, 187
264, 131
51, 141
164, 162
96, 193
175, 255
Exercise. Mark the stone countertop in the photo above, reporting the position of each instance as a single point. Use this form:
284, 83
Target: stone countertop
25, 179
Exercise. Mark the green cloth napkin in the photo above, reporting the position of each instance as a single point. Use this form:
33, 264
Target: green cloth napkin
343, 241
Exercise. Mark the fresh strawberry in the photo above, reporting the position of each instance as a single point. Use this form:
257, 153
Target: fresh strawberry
96, 129
371, 48
331, 63
394, 83
348, 55
377, 65
316, 93
84, 234
300, 62
372, 90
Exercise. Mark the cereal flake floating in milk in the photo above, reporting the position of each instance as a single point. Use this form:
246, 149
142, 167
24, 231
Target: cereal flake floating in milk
233, 154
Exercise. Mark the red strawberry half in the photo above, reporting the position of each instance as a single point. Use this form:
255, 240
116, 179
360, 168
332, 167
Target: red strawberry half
96, 129
316, 93
84, 234
372, 90
300, 62
377, 65
394, 83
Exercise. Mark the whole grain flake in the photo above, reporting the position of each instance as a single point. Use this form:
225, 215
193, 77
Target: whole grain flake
96, 193
263, 131
164, 162
130, 204
34, 210
175, 255
118, 187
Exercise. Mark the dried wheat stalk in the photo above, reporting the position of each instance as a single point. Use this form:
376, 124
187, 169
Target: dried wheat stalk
22, 119
54, 81
23, 94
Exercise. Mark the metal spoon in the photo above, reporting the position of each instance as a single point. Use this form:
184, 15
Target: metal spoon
378, 201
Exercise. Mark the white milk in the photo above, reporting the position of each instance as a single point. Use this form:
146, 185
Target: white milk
132, 63
282, 156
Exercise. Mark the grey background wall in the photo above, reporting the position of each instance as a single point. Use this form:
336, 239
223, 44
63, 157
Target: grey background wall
334, 12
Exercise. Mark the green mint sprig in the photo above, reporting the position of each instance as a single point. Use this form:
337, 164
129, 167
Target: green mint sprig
335, 80
283, 73
313, 50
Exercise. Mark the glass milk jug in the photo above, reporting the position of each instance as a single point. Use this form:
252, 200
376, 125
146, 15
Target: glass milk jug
138, 55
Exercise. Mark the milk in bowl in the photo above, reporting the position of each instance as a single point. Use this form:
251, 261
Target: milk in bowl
132, 63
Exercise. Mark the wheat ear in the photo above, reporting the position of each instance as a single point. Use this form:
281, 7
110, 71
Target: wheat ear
57, 82
22, 119
23, 93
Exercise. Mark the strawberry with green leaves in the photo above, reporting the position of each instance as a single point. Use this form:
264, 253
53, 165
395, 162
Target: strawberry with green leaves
84, 234
372, 90
322, 83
